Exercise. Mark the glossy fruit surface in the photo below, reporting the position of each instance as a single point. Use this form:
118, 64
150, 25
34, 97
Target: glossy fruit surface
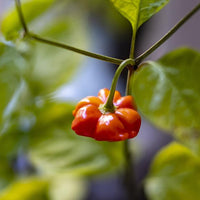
121, 124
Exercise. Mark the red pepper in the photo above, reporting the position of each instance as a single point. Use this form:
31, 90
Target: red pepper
90, 121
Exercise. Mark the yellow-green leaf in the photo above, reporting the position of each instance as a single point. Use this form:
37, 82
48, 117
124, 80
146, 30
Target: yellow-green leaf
174, 175
138, 11
54, 66
56, 149
26, 189
59, 151
7, 173
167, 92
12, 67
31, 9
48, 188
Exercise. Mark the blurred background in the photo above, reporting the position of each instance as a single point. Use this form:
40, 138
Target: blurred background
35, 150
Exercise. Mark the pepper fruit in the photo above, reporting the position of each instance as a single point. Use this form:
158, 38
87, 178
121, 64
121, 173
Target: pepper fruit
121, 124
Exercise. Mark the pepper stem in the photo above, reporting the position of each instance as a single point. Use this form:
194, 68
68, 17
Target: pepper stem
109, 106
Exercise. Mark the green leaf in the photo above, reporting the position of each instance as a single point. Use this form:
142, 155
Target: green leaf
54, 66
26, 189
167, 91
12, 67
40, 188
6, 172
190, 138
25, 84
67, 187
58, 150
31, 10
138, 11
55, 148
49, 66
174, 175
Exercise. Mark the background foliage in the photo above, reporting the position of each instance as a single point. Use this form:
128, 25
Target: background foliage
35, 126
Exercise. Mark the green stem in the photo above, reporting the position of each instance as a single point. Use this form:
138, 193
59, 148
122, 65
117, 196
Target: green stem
128, 85
132, 49
21, 17
129, 176
57, 44
108, 106
80, 51
167, 35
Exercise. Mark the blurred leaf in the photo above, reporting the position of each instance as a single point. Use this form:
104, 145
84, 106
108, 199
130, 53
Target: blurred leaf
16, 132
55, 148
31, 10
27, 115
24, 84
53, 66
6, 172
167, 91
190, 138
39, 188
67, 188
50, 66
26, 189
174, 175
138, 11
53, 113
60, 151
12, 67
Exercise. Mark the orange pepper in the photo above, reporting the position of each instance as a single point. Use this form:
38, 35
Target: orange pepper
122, 124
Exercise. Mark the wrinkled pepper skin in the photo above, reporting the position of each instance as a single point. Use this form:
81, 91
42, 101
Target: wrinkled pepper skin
122, 124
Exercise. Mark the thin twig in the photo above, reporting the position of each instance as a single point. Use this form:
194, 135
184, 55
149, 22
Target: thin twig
167, 35
77, 50
21, 16
61, 45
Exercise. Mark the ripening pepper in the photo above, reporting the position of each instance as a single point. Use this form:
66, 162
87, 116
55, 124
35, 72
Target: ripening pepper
121, 124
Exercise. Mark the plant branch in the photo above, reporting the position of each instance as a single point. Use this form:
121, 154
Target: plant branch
167, 35
129, 176
132, 49
77, 50
21, 16
61, 45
